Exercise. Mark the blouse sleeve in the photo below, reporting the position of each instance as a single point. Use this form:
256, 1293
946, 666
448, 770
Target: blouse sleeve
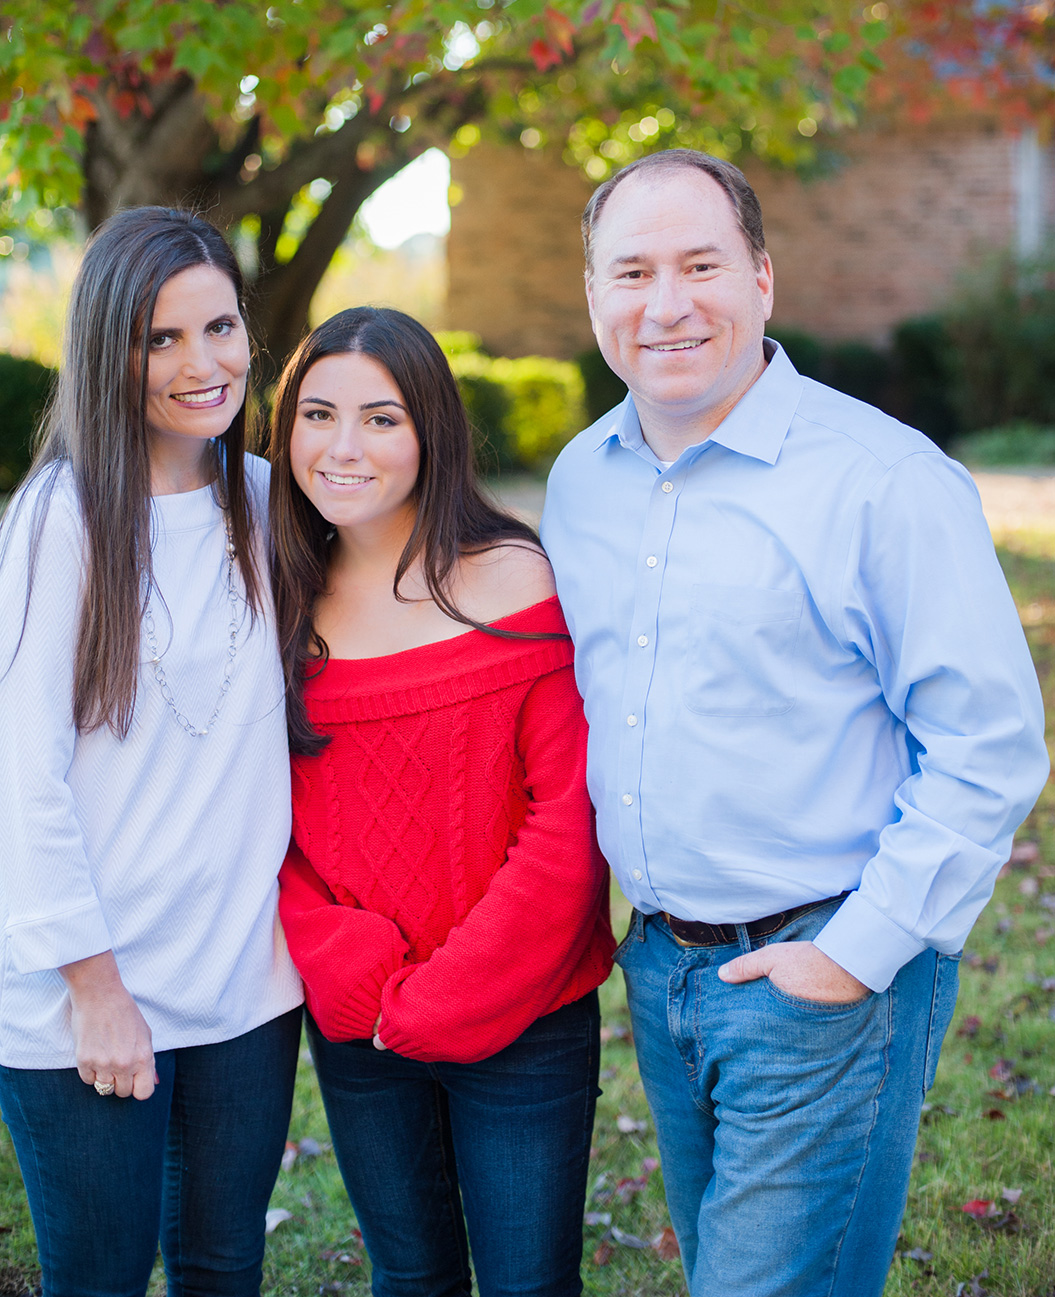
343, 953
519, 946
53, 913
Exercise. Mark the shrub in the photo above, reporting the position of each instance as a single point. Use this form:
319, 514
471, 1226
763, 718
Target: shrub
546, 405
1016, 445
24, 387
522, 410
602, 389
923, 369
1001, 331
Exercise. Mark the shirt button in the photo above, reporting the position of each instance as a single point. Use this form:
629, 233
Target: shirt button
642, 640
668, 487
631, 720
637, 874
651, 561
627, 800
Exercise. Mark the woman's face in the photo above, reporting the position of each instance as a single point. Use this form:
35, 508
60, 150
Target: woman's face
199, 358
354, 450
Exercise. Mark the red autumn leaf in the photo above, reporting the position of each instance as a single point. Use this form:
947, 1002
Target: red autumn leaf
977, 1207
560, 29
544, 55
1002, 1070
604, 1252
666, 1245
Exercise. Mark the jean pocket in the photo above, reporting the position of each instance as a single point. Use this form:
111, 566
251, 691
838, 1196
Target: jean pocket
634, 936
942, 1004
741, 655
818, 1007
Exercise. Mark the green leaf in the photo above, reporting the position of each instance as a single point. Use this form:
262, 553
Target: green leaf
850, 81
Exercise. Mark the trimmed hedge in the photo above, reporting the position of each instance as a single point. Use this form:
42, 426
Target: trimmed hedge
24, 388
522, 410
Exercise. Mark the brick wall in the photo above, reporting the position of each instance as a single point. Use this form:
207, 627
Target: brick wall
878, 240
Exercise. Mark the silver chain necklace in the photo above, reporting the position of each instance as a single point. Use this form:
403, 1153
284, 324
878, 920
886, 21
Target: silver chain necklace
182, 720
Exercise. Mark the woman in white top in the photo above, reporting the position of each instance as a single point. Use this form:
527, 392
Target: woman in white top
149, 1013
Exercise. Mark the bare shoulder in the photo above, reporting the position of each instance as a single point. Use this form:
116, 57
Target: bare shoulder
503, 580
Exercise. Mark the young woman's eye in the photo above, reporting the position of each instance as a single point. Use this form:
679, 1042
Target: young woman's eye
159, 340
316, 416
383, 420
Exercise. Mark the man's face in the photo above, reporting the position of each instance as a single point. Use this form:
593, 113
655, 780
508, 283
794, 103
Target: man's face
677, 304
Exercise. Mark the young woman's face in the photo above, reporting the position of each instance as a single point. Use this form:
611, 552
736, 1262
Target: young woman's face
354, 450
199, 358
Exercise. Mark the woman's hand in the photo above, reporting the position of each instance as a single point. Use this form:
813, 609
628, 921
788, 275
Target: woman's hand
110, 1035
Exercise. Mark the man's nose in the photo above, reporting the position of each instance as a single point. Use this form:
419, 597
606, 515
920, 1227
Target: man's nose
669, 300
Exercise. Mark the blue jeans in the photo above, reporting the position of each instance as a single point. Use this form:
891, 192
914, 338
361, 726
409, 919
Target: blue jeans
195, 1163
501, 1146
786, 1127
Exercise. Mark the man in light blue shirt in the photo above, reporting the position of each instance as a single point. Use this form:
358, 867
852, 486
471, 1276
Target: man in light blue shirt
814, 729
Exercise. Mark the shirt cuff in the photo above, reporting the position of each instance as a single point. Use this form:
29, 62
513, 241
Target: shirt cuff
58, 939
867, 944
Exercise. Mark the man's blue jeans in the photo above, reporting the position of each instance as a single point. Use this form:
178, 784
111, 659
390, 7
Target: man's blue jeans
505, 1140
195, 1163
786, 1127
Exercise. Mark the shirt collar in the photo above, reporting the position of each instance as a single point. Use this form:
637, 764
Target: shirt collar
755, 426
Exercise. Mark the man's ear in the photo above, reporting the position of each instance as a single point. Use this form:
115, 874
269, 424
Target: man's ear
764, 280
589, 301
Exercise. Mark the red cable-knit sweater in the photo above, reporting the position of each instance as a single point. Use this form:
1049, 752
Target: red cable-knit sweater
444, 872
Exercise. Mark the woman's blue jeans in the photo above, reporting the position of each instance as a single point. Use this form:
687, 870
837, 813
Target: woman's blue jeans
501, 1146
194, 1164
786, 1127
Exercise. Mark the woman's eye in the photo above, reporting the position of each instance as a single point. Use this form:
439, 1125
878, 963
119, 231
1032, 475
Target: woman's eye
383, 421
222, 328
159, 340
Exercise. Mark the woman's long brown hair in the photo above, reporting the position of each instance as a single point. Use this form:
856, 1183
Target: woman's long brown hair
453, 517
95, 426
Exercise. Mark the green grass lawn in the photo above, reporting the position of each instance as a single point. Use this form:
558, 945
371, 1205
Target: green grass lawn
988, 1136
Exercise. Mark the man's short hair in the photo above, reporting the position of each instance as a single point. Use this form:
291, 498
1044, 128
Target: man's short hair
731, 179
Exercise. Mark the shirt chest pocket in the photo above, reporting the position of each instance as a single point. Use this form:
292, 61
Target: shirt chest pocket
740, 659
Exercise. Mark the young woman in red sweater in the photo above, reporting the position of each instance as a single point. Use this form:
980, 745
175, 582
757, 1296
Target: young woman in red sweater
443, 895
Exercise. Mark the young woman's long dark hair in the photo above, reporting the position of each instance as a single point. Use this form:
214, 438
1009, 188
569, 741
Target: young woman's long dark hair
452, 518
96, 425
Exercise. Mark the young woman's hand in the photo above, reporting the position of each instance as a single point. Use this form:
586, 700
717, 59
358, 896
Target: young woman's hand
110, 1035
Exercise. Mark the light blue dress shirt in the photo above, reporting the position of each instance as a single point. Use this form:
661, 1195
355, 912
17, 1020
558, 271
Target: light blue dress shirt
802, 669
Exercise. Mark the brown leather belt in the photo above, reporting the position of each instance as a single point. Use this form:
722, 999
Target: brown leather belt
692, 932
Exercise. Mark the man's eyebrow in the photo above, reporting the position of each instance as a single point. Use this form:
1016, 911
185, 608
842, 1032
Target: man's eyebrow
707, 250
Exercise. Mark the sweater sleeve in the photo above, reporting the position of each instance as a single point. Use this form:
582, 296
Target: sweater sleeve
507, 963
343, 953
53, 912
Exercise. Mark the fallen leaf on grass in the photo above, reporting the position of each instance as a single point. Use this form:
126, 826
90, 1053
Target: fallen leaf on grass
666, 1245
614, 1031
1002, 1070
604, 1252
1029, 886
1011, 1195
1024, 853
994, 1114
970, 1027
345, 1257
628, 1126
918, 1254
629, 1240
974, 1288
275, 1216
309, 1147
289, 1155
597, 1218
990, 1217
